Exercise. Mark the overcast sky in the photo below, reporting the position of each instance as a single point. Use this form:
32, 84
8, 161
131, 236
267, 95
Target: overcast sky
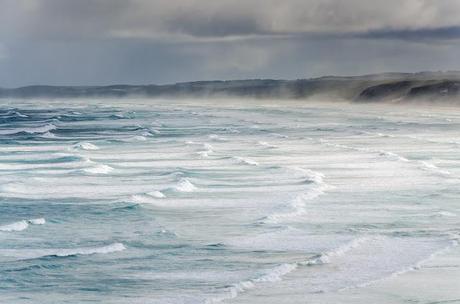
78, 42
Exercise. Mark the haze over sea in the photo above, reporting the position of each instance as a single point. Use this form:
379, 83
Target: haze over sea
232, 201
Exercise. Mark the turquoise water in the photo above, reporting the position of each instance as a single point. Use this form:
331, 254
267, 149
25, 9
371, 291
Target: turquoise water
163, 201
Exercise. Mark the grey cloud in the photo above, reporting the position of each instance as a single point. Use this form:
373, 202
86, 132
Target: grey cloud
60, 19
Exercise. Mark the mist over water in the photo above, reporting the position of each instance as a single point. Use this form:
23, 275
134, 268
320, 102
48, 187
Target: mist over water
164, 201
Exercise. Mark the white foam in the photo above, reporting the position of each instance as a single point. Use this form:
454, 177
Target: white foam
184, 185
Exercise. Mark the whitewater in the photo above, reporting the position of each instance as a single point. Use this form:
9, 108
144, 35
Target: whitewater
228, 201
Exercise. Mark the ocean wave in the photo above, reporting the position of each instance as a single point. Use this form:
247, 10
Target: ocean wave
21, 225
216, 137
326, 257
99, 169
205, 153
184, 185
444, 214
86, 146
35, 130
48, 135
13, 114
37, 221
279, 135
26, 254
143, 199
137, 138
378, 134
454, 242
266, 144
156, 194
246, 161
297, 206
391, 155
433, 168
16, 226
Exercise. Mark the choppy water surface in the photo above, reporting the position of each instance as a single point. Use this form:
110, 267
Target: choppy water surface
179, 202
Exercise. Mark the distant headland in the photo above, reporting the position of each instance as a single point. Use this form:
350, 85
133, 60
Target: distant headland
428, 86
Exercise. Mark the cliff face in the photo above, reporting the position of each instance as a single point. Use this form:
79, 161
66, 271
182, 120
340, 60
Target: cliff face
369, 88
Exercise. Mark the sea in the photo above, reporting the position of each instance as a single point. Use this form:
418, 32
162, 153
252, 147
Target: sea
149, 201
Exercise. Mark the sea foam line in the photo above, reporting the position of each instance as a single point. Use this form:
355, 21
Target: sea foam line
454, 241
277, 273
25, 254
424, 165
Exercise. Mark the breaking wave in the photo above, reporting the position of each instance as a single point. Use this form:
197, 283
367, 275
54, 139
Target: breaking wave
277, 273
297, 206
35, 130
26, 254
184, 185
86, 146
99, 169
156, 194
246, 161
22, 225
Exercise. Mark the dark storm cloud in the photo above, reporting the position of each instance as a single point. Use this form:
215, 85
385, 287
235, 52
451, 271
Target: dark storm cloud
106, 41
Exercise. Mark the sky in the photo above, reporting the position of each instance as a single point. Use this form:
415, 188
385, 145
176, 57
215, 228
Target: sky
98, 42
